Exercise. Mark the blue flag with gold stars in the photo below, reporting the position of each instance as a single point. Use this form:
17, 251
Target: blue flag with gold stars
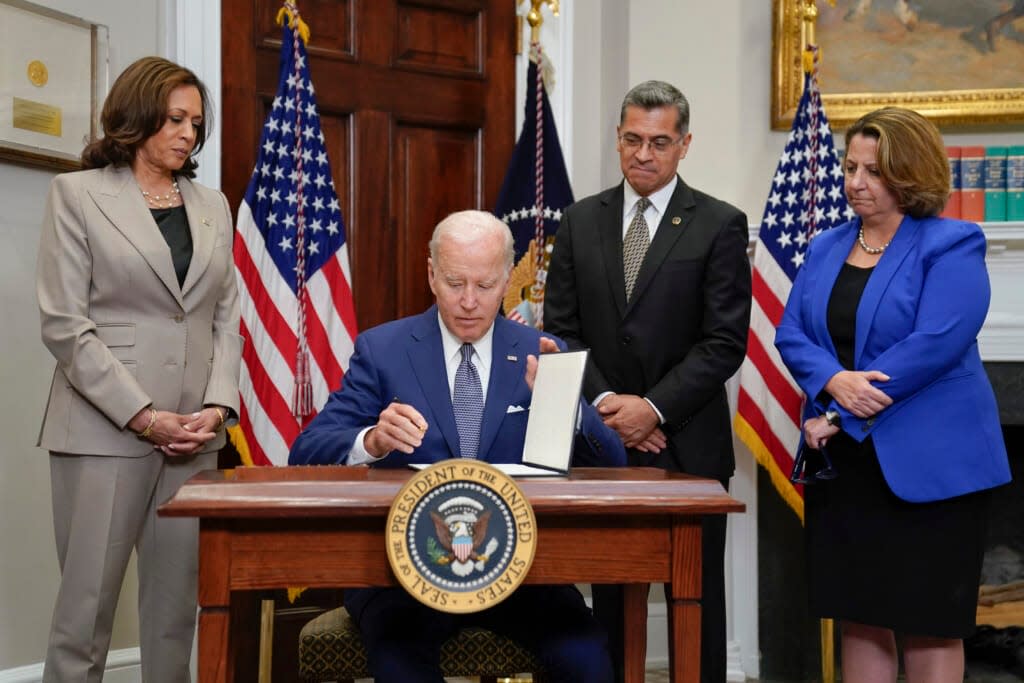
535, 191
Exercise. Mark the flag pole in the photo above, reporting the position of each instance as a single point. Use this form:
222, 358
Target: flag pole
811, 54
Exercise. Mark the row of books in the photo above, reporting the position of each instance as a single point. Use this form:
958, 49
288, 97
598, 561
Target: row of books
987, 183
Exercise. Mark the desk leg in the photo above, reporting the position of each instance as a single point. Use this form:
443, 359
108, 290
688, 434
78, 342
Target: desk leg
214, 633
215, 664
634, 614
684, 601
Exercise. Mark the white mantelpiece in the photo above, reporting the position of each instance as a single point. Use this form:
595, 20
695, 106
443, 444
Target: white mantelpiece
1002, 337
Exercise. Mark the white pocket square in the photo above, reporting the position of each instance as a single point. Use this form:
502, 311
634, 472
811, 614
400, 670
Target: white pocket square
515, 409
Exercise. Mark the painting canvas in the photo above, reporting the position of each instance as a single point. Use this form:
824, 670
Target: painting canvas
956, 62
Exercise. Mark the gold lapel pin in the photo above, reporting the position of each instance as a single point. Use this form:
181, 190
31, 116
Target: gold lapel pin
676, 220
206, 222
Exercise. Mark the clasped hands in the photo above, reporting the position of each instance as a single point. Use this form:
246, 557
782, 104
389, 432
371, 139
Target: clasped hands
175, 434
852, 389
400, 427
635, 421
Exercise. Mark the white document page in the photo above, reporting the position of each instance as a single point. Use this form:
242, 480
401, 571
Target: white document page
551, 427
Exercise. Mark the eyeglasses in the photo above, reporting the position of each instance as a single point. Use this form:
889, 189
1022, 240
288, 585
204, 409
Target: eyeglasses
799, 474
659, 145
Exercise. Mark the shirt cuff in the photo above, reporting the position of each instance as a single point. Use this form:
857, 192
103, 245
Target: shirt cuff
601, 397
661, 418
359, 455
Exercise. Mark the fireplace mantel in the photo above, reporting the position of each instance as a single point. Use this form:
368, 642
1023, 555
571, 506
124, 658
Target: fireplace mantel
1002, 337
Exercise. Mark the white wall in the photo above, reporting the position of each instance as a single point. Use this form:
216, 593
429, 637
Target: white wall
28, 559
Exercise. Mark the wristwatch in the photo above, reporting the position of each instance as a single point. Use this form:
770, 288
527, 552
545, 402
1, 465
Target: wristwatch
832, 418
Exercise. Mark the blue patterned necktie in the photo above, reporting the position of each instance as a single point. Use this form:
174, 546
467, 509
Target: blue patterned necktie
468, 403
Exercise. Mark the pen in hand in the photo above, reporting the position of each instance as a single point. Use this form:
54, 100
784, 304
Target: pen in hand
421, 427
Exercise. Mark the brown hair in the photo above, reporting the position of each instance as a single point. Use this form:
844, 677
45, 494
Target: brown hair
136, 109
911, 158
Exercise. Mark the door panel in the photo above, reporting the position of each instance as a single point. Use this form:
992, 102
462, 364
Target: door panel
416, 101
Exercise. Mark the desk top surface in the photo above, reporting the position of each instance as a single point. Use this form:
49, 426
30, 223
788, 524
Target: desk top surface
333, 491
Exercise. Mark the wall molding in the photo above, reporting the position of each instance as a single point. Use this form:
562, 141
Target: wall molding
123, 666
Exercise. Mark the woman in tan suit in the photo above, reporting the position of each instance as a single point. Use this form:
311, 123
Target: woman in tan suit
138, 303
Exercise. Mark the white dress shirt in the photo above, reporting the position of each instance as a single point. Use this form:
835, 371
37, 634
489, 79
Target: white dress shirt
659, 204
452, 348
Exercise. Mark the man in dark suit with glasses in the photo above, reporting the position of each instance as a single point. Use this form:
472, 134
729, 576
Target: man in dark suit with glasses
653, 276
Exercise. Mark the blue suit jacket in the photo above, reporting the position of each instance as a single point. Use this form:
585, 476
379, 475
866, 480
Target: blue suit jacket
404, 359
917, 322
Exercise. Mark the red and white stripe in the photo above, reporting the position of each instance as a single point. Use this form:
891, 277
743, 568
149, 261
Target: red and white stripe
270, 314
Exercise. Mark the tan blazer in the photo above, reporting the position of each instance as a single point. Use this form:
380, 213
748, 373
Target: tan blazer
124, 334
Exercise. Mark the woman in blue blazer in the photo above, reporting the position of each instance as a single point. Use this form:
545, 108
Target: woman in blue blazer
901, 431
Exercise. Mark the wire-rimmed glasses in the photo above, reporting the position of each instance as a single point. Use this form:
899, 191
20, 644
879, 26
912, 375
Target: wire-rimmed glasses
659, 145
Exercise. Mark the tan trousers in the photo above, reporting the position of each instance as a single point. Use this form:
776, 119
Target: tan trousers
103, 507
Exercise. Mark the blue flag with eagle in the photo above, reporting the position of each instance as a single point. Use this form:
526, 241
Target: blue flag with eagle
535, 191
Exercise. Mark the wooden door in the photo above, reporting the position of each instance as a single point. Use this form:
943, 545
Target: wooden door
416, 101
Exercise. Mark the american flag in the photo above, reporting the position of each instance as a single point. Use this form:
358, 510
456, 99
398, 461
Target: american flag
806, 197
292, 265
535, 190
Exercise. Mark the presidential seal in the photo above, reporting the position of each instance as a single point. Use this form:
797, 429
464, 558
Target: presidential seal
461, 536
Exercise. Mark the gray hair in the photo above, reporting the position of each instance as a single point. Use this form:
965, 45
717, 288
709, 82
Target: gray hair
653, 94
470, 225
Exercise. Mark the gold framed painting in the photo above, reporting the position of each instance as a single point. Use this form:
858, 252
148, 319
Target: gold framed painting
53, 75
958, 63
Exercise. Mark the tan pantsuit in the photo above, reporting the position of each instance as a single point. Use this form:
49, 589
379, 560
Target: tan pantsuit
126, 335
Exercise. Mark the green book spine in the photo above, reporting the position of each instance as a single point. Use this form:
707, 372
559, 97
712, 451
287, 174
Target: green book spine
995, 184
1015, 183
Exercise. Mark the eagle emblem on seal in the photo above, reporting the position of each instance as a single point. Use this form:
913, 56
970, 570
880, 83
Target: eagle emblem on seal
460, 525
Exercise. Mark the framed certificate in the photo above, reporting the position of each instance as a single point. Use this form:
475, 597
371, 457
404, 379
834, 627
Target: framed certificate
53, 75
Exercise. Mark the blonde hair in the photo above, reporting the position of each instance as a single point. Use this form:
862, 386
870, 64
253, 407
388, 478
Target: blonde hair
911, 158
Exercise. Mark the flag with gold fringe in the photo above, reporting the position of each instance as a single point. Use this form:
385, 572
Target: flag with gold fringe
291, 260
535, 191
806, 197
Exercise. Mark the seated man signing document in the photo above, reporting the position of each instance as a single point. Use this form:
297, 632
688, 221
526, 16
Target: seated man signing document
456, 381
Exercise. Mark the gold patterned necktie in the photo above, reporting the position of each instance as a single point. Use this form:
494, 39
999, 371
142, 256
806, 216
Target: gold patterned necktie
634, 245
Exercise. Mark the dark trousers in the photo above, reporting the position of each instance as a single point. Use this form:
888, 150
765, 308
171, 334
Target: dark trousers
608, 606
403, 637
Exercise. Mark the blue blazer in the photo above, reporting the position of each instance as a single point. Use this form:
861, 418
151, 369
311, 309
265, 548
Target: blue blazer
917, 322
405, 359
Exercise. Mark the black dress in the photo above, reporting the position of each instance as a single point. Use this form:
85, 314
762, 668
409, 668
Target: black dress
876, 559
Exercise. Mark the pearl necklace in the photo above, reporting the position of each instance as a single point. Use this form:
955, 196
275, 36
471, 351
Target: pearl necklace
167, 200
874, 251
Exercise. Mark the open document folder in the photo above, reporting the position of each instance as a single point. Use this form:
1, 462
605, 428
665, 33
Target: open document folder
551, 425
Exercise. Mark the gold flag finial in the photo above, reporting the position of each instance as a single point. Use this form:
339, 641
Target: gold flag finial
535, 18
290, 13
809, 14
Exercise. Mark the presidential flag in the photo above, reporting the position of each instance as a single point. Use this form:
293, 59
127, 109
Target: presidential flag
806, 197
535, 191
292, 266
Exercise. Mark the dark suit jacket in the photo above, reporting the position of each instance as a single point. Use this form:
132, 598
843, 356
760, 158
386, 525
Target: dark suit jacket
917, 321
405, 359
684, 332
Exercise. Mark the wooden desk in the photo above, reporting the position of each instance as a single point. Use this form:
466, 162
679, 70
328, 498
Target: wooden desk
266, 528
